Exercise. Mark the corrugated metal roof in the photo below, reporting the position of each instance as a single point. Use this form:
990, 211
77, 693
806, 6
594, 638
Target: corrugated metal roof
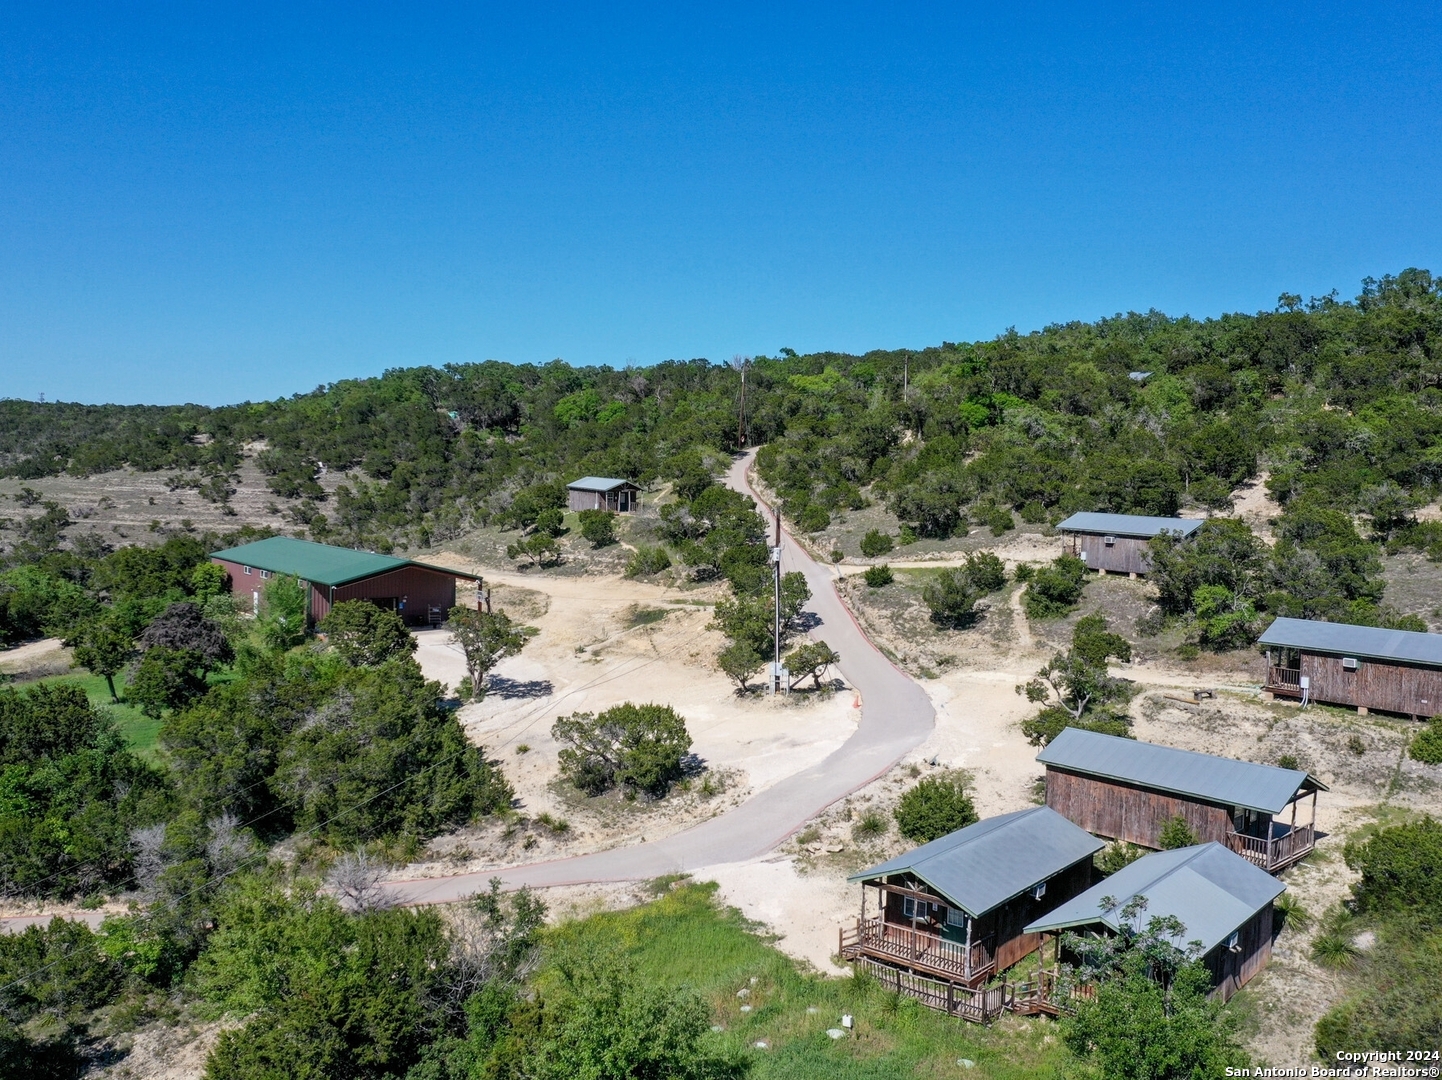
320, 563
1409, 646
984, 865
1129, 525
1204, 776
1210, 890
597, 483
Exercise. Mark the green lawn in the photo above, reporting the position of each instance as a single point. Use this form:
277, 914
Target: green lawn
684, 938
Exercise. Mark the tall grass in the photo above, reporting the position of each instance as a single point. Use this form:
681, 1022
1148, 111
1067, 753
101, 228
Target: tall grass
685, 938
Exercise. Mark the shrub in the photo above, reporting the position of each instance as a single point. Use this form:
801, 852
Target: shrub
366, 635
870, 825
1000, 521
879, 575
985, 571
641, 747
1055, 589
1427, 744
1116, 855
1401, 868
647, 560
813, 519
1288, 761
1053, 720
905, 535
875, 543
1025, 572
837, 554
740, 660
936, 806
599, 527
550, 521
1176, 833
952, 599
1033, 513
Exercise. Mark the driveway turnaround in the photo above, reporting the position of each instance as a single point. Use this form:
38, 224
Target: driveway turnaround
896, 717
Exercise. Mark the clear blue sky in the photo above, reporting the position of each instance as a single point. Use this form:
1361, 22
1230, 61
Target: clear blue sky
210, 205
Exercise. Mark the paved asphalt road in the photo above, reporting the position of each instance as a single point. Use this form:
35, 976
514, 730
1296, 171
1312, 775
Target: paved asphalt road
896, 717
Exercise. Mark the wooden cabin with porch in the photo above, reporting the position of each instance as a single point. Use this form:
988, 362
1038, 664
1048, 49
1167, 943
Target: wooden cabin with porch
949, 915
1123, 789
1117, 543
603, 493
1364, 667
1222, 900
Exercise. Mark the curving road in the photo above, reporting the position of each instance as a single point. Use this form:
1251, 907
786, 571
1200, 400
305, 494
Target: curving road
896, 717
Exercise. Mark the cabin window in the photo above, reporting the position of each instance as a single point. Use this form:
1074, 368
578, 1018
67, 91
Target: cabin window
246, 569
1038, 890
908, 907
264, 574
955, 917
1232, 941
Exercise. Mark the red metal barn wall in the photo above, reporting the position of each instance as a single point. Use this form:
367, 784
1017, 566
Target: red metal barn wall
418, 587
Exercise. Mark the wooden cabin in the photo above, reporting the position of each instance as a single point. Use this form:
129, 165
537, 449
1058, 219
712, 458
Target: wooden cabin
1396, 671
1222, 900
1117, 543
419, 593
603, 493
1123, 789
949, 915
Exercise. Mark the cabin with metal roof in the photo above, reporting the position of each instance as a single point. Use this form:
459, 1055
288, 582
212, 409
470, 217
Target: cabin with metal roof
420, 593
1224, 903
950, 914
1127, 790
603, 493
1117, 543
1365, 667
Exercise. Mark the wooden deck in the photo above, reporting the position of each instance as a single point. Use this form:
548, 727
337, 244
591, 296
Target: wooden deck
1278, 852
1044, 996
925, 953
978, 1004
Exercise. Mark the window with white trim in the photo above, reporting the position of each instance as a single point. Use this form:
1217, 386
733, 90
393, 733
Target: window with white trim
265, 574
955, 917
246, 570
908, 907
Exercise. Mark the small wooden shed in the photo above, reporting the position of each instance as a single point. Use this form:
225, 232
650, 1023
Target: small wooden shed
1223, 901
950, 914
603, 493
1118, 542
1397, 671
1128, 790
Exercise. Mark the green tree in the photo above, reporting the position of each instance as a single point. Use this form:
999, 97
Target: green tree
936, 806
1426, 745
878, 576
1176, 833
1074, 686
1055, 589
812, 658
1400, 868
486, 639
599, 527
366, 635
282, 616
640, 747
104, 648
985, 571
952, 599
538, 549
740, 661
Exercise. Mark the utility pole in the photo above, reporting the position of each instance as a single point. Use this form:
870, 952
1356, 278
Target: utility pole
741, 427
776, 675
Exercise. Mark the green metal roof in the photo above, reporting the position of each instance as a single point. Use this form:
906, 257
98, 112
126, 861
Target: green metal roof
320, 563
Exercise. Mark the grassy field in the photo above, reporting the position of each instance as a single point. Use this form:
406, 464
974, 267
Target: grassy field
684, 938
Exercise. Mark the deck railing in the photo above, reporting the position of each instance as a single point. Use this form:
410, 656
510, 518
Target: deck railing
980, 1004
917, 948
1283, 676
1044, 994
1275, 853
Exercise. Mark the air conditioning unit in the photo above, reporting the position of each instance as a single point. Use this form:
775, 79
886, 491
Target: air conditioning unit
1038, 891
1232, 943
1109, 540
1349, 663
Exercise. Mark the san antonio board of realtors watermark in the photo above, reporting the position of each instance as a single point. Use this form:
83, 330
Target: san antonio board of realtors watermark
1373, 1063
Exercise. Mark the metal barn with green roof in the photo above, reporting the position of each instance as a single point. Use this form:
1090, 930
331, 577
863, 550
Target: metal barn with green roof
419, 592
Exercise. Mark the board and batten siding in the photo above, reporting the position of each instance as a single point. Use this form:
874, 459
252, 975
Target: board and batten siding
418, 587
1233, 970
1128, 555
1121, 811
1004, 925
1410, 689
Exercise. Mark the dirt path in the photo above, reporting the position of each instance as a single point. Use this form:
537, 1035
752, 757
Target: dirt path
896, 717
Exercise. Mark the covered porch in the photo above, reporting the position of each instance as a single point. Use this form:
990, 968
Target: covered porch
1281, 843
925, 932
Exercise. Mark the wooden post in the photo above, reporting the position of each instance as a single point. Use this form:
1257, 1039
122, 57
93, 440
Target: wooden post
966, 963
